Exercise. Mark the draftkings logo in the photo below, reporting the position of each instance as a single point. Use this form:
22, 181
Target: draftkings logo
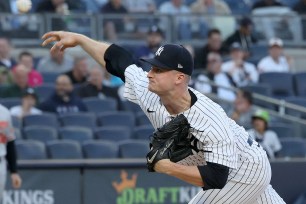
128, 193
28, 197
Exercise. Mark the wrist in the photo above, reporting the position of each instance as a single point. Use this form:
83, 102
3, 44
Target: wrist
81, 39
170, 168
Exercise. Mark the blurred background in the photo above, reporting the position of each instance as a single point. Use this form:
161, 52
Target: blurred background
79, 141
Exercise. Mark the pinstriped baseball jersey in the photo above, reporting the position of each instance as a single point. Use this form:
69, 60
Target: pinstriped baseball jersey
218, 138
6, 129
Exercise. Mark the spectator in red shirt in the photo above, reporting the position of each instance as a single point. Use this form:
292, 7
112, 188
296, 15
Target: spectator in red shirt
34, 77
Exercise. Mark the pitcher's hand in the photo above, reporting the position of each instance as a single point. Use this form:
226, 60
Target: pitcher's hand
63, 40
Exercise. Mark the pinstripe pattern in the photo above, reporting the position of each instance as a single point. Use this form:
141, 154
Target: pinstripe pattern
221, 140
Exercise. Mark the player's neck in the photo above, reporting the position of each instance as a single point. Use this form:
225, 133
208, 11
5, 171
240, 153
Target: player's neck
177, 103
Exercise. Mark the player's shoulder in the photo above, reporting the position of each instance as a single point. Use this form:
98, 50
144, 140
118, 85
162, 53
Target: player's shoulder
134, 71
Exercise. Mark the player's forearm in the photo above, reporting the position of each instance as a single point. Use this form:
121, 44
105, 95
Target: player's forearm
94, 48
189, 174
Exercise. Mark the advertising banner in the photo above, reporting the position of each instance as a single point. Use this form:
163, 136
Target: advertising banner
45, 187
134, 186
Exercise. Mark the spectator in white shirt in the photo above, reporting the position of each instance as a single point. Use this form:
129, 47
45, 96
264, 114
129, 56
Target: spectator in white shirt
215, 75
242, 72
276, 61
27, 107
177, 8
267, 138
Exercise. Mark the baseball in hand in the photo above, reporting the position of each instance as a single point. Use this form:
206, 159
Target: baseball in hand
24, 5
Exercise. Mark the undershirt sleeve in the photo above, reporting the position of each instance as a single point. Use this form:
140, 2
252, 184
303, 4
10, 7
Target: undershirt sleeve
117, 59
213, 175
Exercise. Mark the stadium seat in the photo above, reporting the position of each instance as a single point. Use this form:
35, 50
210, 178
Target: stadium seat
130, 106
257, 53
116, 133
10, 102
30, 149
122, 118
16, 122
143, 132
142, 119
100, 149
133, 149
238, 7
281, 83
18, 135
292, 147
262, 89
300, 83
43, 134
49, 77
64, 149
97, 105
79, 134
87, 120
46, 119
296, 101
44, 91
282, 130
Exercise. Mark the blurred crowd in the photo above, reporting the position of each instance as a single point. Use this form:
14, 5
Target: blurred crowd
221, 65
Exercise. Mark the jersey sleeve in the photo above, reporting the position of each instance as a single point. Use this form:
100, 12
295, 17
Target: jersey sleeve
7, 132
136, 83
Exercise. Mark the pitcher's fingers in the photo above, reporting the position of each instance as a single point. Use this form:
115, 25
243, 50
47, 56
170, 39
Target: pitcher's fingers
49, 40
63, 48
56, 47
50, 34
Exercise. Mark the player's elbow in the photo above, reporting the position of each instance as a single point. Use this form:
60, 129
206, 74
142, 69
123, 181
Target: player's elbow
220, 182
214, 176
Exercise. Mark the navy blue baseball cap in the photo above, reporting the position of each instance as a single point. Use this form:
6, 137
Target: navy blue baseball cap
172, 57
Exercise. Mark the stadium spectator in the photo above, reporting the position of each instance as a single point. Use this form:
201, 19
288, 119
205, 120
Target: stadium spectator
57, 6
140, 6
114, 25
5, 7
63, 100
58, 62
28, 103
177, 8
20, 83
242, 72
79, 72
243, 35
210, 7
266, 138
154, 39
243, 109
214, 74
95, 88
5, 76
266, 3
275, 61
300, 7
8, 6
34, 77
5, 53
60, 7
214, 44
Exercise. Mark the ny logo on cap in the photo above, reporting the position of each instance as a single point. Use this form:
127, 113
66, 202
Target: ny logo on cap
159, 51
